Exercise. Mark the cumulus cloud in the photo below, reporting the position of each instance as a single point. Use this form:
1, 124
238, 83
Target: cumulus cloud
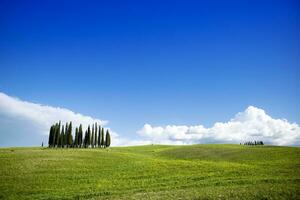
26, 123
251, 124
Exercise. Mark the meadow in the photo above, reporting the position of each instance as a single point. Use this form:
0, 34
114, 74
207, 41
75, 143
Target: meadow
151, 172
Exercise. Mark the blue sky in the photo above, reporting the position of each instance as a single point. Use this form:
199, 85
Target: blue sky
157, 62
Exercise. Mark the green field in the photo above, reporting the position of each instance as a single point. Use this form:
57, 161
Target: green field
151, 172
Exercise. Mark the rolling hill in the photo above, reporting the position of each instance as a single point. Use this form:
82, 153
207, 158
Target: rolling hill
151, 172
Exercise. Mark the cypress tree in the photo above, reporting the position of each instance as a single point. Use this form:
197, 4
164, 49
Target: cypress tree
62, 137
50, 136
89, 136
80, 136
107, 139
84, 140
102, 137
93, 134
99, 137
76, 137
54, 135
95, 142
57, 138
70, 138
66, 135
79, 139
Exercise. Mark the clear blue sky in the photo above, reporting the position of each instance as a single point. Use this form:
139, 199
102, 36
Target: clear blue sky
158, 62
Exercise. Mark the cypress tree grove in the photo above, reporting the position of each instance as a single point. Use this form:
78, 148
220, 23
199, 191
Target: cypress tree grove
61, 136
107, 139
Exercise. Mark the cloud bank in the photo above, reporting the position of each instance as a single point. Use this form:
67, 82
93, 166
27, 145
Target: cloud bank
24, 123
251, 124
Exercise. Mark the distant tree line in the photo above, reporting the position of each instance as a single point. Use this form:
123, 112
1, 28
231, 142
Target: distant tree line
254, 143
61, 136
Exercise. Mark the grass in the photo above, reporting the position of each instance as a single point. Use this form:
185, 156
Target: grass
151, 172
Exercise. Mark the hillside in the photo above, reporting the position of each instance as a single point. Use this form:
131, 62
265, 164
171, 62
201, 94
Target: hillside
151, 172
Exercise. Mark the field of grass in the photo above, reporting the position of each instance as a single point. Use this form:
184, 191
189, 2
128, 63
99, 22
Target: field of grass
151, 172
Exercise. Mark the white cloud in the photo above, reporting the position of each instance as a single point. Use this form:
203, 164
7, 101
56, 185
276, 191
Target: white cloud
121, 141
252, 124
26, 123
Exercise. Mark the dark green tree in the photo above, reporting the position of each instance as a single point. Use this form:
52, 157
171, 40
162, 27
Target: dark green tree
80, 136
107, 139
66, 135
50, 139
89, 136
54, 135
62, 137
99, 137
70, 138
93, 135
76, 138
96, 133
102, 138
57, 135
85, 139
59, 140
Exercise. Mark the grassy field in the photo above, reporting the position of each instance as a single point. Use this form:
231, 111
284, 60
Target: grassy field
151, 172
